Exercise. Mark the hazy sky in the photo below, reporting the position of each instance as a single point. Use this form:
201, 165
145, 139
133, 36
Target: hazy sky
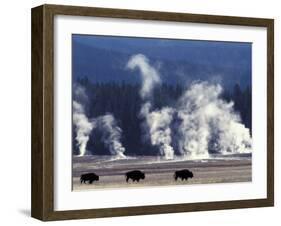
103, 59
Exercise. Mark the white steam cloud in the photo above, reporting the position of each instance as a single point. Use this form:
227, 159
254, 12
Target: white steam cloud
150, 76
157, 122
83, 127
158, 126
209, 124
205, 123
111, 134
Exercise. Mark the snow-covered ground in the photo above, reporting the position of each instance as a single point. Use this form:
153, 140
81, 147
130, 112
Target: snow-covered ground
159, 172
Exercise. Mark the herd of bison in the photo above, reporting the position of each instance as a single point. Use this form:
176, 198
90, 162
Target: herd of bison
136, 175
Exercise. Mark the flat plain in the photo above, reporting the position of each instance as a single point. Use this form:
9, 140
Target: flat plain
160, 172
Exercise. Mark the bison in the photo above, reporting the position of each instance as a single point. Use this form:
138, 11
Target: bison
90, 177
134, 175
183, 174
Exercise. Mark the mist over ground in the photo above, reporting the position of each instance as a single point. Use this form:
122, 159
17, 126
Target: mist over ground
152, 114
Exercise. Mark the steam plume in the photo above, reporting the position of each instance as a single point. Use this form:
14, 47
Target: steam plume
111, 134
209, 124
206, 123
158, 126
157, 123
150, 76
83, 127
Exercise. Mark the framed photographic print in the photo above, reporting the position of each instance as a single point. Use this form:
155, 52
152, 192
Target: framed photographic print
141, 112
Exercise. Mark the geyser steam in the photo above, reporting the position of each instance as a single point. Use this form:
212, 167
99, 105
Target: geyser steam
150, 76
209, 124
111, 134
83, 127
157, 123
158, 126
205, 123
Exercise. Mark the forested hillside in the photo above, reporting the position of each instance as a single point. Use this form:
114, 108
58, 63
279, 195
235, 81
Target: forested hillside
123, 101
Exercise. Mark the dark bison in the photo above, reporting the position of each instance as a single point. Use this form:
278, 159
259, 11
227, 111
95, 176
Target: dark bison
89, 177
135, 175
183, 174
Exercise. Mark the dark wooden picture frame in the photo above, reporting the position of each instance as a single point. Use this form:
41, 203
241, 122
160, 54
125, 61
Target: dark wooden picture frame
42, 203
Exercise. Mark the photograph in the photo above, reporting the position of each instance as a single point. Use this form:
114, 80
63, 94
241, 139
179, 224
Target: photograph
141, 112
160, 112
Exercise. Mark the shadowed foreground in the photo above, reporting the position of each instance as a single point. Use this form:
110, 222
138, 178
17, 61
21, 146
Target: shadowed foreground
160, 172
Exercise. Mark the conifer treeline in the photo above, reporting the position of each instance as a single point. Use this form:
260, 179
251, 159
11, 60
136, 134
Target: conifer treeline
123, 101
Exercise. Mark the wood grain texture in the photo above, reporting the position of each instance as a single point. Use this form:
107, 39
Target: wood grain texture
37, 159
42, 113
43, 108
270, 111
